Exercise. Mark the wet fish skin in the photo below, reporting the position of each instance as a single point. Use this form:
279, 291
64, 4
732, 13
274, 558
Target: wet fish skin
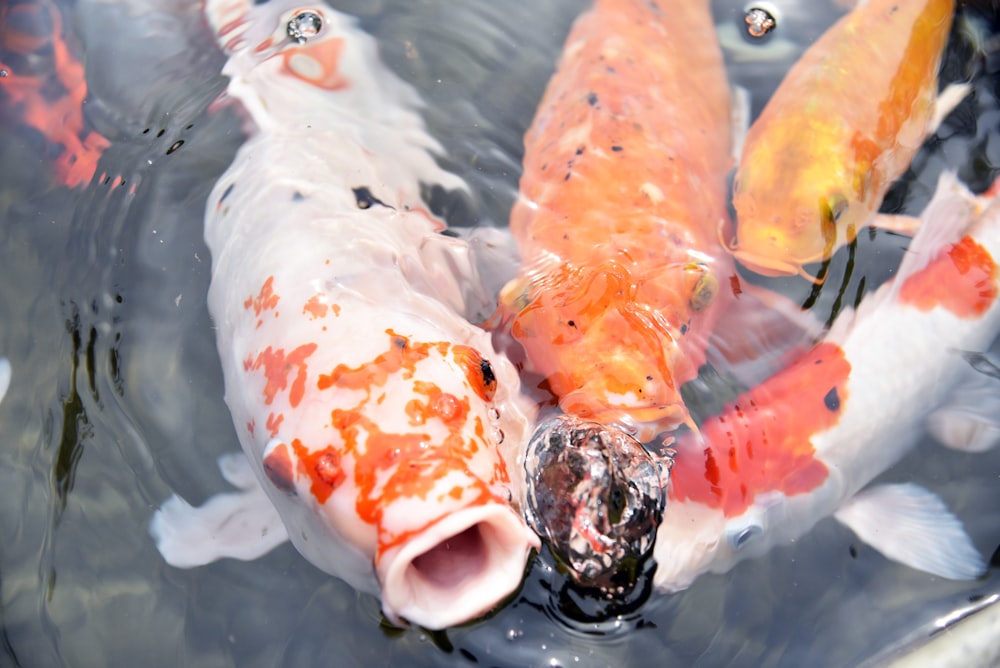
384, 429
804, 444
623, 190
842, 126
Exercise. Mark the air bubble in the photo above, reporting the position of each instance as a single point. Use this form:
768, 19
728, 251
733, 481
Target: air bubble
304, 25
759, 22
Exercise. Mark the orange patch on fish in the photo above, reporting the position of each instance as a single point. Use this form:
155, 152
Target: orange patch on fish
402, 355
265, 299
322, 467
277, 366
315, 308
316, 63
962, 279
763, 440
45, 86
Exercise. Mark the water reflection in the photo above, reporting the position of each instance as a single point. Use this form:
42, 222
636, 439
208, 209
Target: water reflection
116, 402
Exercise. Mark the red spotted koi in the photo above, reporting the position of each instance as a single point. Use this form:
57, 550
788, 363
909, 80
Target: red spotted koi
42, 84
624, 187
843, 125
805, 443
384, 429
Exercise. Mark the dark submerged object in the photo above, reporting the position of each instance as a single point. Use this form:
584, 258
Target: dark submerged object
596, 497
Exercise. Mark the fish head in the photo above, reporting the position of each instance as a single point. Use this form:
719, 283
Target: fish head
405, 459
596, 496
615, 347
779, 230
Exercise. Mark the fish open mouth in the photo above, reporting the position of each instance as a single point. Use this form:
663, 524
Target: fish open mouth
456, 569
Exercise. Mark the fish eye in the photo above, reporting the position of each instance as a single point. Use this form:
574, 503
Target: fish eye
833, 206
738, 538
478, 371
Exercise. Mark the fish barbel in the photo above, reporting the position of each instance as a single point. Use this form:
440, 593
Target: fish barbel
382, 431
624, 187
843, 125
804, 444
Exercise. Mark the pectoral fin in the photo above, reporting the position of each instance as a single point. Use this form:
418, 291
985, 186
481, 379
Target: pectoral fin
240, 525
971, 420
947, 100
909, 524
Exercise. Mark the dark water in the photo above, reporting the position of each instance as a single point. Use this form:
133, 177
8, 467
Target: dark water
116, 399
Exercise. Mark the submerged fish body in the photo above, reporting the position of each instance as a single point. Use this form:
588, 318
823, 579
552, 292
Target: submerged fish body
843, 125
624, 187
382, 426
802, 445
42, 84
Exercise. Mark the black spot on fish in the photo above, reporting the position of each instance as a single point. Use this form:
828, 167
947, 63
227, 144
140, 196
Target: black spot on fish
571, 323
365, 199
616, 149
160, 133
649, 378
566, 178
832, 400
297, 196
579, 151
684, 329
227, 192
489, 378
853, 551
592, 99
449, 233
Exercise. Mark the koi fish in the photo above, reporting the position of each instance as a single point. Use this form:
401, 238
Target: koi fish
43, 84
818, 161
804, 444
383, 434
624, 185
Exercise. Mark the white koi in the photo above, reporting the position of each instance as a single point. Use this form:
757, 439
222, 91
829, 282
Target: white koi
804, 444
385, 430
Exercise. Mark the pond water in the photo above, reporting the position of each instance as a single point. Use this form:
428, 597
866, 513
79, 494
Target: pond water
116, 394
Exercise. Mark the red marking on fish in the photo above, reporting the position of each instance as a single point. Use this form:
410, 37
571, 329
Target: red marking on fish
317, 64
962, 279
752, 447
45, 86
444, 406
315, 308
274, 423
265, 299
402, 355
277, 366
323, 468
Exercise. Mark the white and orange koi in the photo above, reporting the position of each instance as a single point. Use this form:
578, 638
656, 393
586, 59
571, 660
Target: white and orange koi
624, 186
844, 124
42, 84
804, 444
383, 428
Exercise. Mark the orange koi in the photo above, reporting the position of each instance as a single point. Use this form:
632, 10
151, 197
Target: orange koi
623, 188
43, 84
843, 125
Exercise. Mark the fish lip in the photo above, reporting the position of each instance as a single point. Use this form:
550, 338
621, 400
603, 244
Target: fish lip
457, 569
